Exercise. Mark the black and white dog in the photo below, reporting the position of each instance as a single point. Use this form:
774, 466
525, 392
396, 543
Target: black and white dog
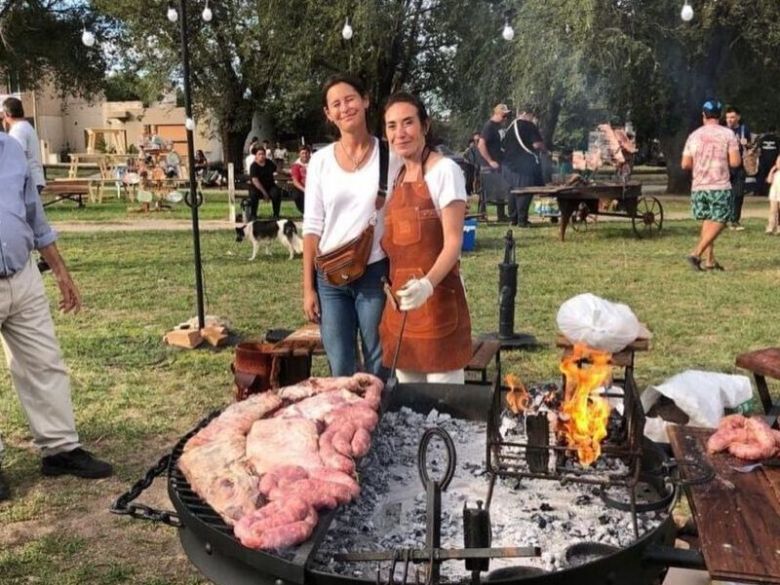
266, 231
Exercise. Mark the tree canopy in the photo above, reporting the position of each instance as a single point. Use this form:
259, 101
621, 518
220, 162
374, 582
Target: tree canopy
578, 61
41, 40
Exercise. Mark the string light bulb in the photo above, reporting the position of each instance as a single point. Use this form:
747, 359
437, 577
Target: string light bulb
172, 14
87, 38
347, 32
508, 33
687, 12
207, 15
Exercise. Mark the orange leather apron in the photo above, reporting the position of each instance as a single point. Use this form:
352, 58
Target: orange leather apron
437, 336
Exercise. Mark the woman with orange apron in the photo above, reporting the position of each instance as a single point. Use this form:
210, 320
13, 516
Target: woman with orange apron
423, 235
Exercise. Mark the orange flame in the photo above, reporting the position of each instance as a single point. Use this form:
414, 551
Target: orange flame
517, 398
585, 414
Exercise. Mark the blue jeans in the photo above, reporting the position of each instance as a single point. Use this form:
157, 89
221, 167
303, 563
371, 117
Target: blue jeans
344, 310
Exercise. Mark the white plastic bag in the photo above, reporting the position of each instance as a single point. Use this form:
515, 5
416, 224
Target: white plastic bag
600, 323
701, 395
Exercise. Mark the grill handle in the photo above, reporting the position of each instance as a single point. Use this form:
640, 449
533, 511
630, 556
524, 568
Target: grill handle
669, 556
124, 506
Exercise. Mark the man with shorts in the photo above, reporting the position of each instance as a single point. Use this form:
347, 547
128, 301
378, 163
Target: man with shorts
710, 153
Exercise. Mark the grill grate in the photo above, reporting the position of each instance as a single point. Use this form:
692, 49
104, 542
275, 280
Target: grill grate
510, 458
209, 526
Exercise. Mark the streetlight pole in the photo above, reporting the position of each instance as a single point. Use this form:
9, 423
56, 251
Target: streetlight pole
193, 201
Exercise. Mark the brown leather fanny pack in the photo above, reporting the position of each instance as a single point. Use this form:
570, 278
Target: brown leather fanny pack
348, 262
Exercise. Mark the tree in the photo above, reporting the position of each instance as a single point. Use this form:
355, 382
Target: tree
637, 59
41, 41
261, 55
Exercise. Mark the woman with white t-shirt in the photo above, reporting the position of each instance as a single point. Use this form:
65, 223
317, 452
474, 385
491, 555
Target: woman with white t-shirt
342, 181
422, 238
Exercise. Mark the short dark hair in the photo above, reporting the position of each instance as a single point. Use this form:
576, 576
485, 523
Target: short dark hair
305, 147
253, 150
733, 110
13, 107
352, 80
266, 141
254, 139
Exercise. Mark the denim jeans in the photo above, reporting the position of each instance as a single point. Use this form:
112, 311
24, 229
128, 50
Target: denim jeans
344, 310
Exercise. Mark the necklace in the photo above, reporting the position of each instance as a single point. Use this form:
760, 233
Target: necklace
355, 163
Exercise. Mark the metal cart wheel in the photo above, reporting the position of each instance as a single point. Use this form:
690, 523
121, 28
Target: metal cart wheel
649, 217
579, 218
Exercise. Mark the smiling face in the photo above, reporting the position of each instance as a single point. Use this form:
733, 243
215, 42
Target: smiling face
405, 131
346, 108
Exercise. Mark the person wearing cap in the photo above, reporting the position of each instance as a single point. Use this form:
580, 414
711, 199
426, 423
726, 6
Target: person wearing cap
489, 147
523, 146
38, 372
710, 152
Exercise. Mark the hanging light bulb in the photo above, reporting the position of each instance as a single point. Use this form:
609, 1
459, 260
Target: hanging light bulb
87, 38
207, 15
508, 33
346, 32
189, 124
172, 14
687, 12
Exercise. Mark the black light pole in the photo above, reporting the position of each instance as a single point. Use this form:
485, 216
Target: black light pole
193, 201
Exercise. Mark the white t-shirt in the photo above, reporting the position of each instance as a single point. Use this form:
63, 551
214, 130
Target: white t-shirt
250, 158
446, 184
26, 136
339, 204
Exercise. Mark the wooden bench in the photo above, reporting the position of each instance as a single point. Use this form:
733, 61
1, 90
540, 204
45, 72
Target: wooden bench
67, 190
736, 514
306, 342
484, 351
763, 363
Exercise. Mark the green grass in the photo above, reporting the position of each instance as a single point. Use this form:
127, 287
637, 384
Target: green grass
133, 396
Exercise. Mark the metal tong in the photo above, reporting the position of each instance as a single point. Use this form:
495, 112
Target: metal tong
392, 380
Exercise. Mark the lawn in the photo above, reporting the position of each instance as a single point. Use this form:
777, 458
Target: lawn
133, 396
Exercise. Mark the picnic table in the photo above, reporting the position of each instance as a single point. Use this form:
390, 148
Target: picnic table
67, 190
737, 514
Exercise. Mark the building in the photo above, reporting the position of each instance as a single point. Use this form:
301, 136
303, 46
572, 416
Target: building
63, 124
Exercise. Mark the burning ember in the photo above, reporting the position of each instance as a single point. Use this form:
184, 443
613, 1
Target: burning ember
584, 412
517, 398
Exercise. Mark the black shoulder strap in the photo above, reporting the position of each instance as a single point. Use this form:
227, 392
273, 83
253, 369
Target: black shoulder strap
384, 164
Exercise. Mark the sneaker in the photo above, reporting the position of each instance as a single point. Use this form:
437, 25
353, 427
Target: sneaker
78, 462
737, 227
5, 489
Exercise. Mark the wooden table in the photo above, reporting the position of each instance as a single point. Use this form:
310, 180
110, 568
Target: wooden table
737, 514
763, 363
67, 189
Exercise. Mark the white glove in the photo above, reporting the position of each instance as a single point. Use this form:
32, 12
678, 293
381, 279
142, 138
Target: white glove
414, 294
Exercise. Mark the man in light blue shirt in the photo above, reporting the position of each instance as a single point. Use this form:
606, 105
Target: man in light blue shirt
33, 354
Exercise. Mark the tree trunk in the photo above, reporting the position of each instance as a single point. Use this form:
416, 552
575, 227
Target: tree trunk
233, 148
678, 181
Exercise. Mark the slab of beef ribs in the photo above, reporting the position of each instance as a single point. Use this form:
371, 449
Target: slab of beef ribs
269, 463
274, 442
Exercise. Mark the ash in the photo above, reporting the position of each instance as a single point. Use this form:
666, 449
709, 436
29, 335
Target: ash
390, 513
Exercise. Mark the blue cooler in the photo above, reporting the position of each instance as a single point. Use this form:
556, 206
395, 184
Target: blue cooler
469, 235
